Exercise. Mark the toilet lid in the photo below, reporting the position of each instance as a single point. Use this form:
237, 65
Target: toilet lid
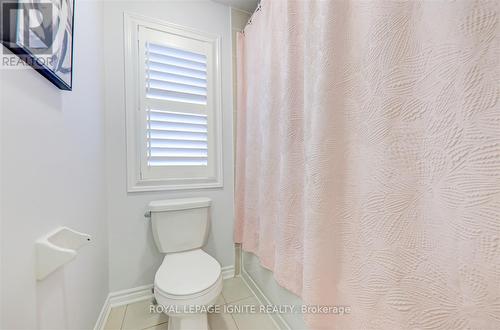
187, 273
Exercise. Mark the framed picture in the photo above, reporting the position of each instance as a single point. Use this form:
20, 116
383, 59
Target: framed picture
40, 32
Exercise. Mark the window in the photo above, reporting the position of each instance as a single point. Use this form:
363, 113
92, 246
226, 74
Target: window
173, 106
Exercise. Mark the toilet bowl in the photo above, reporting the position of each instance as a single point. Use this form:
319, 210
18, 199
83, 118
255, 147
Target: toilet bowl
186, 284
189, 280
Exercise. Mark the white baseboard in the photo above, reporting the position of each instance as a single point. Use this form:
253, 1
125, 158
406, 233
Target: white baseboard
129, 296
120, 298
277, 318
103, 315
227, 272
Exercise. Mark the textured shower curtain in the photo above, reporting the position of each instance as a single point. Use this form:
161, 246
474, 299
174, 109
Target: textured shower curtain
368, 159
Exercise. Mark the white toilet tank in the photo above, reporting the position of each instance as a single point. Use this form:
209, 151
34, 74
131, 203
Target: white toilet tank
180, 224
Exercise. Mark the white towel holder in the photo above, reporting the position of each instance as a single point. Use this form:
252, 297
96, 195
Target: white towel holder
56, 249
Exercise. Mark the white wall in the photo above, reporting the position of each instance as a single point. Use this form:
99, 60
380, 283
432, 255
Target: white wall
133, 256
53, 174
239, 20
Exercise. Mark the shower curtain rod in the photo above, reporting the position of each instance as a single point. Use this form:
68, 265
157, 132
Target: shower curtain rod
249, 22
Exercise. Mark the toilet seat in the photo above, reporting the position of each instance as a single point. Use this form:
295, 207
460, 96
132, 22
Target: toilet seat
187, 275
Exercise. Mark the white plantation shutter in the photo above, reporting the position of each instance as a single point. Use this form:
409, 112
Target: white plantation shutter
175, 75
177, 139
178, 129
173, 138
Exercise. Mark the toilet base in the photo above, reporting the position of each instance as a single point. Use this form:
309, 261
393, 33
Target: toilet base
198, 321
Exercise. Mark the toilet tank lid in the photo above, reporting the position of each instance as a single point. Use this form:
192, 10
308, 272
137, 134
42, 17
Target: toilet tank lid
179, 204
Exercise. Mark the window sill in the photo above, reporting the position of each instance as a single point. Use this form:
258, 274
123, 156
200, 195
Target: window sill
146, 185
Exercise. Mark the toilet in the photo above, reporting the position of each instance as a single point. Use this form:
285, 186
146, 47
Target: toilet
189, 280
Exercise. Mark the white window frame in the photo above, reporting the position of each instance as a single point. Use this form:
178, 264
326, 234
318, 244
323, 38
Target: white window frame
135, 116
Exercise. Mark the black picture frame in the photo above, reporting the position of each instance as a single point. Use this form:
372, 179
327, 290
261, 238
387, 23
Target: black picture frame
10, 41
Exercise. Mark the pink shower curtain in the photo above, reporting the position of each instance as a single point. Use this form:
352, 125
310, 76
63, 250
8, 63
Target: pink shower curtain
368, 159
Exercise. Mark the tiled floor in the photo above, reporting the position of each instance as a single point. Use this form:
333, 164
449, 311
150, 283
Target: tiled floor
235, 293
